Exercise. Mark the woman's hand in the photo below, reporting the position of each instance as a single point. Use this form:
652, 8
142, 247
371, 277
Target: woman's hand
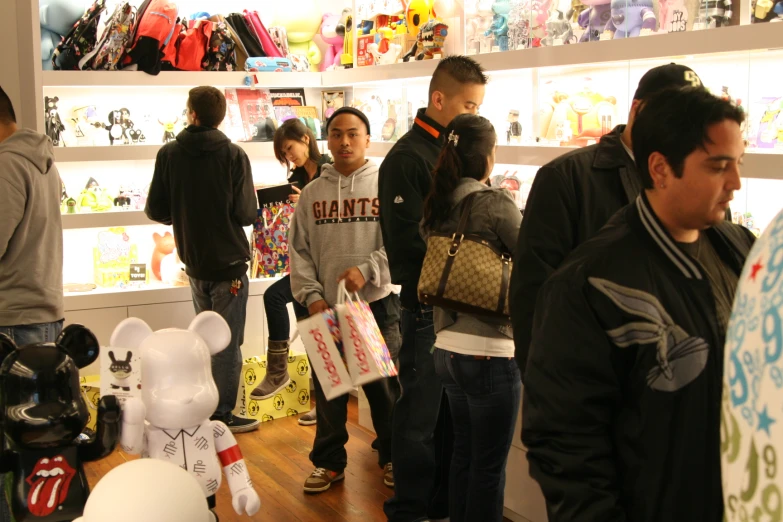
294, 198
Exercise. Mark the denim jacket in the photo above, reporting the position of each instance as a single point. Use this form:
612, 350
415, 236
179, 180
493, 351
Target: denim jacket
495, 218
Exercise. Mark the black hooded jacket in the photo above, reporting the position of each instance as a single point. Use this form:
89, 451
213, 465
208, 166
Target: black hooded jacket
203, 187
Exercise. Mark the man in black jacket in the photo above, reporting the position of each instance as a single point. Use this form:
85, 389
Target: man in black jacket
621, 412
574, 196
420, 450
203, 187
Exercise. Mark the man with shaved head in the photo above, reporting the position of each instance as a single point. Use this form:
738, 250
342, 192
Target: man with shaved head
421, 431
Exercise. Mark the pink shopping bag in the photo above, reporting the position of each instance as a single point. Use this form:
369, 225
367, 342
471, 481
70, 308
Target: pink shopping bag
364, 348
318, 335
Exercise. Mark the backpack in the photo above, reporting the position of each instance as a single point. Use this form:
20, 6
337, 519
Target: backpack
157, 20
80, 40
192, 45
221, 55
109, 50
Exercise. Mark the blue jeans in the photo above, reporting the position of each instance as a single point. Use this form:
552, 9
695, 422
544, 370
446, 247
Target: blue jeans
484, 395
33, 333
276, 299
231, 304
421, 429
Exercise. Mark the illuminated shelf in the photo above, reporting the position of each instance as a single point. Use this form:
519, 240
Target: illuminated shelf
143, 152
152, 294
119, 218
177, 79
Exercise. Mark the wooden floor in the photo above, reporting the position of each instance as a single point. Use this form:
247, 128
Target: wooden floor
277, 456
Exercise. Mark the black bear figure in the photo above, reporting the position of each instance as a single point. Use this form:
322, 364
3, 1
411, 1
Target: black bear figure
43, 415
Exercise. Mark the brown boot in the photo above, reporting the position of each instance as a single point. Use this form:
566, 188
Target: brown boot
276, 378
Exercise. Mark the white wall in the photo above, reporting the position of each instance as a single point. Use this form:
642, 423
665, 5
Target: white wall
19, 65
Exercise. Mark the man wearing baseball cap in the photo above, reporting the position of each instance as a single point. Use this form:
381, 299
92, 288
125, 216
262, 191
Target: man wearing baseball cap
573, 197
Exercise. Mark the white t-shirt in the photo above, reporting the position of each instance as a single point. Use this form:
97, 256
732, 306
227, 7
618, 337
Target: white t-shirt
467, 344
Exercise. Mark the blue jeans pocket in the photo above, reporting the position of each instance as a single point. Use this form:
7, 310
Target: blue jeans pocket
474, 376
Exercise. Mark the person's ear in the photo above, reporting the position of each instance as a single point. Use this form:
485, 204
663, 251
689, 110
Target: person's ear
659, 169
306, 139
437, 100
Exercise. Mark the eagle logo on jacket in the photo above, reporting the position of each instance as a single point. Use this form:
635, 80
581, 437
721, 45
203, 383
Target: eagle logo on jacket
681, 357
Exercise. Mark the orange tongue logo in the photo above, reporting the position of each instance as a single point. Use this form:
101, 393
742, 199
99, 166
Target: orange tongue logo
49, 483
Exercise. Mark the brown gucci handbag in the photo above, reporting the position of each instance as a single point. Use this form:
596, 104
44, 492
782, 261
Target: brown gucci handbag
465, 273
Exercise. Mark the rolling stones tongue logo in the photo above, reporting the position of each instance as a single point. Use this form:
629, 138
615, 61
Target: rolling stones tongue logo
49, 483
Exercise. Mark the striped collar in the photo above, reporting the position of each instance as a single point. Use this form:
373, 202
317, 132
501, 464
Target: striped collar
689, 267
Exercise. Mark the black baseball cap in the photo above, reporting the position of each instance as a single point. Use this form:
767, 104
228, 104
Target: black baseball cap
349, 110
671, 75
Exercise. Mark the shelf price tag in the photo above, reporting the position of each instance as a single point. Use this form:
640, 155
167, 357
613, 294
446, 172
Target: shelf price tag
138, 272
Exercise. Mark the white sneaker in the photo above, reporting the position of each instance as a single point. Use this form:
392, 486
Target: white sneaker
308, 419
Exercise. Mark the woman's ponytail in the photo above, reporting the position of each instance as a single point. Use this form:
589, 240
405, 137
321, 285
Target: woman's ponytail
470, 140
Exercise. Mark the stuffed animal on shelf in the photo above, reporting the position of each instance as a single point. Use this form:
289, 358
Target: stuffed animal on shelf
149, 490
44, 414
171, 420
164, 246
54, 125
333, 40
302, 19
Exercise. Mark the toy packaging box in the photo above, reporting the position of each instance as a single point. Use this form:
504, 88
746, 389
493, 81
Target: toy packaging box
112, 257
120, 373
91, 392
293, 400
267, 64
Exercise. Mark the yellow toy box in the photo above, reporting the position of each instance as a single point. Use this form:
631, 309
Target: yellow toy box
112, 257
295, 399
91, 391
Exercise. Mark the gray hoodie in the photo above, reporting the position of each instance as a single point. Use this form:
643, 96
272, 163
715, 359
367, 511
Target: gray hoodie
336, 227
31, 231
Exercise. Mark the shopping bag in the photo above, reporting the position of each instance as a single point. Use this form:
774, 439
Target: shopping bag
318, 335
364, 348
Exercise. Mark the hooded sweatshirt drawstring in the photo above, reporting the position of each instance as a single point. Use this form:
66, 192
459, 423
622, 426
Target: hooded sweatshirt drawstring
340, 198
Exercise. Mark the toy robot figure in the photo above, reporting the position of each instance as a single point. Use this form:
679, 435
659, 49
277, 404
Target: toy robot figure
712, 14
54, 125
630, 18
44, 414
514, 132
171, 420
499, 27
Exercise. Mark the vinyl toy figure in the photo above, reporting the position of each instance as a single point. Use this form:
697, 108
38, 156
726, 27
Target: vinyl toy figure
630, 18
43, 416
499, 27
178, 394
514, 132
54, 125
168, 129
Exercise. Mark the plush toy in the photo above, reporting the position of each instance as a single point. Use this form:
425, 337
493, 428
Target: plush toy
43, 414
171, 420
149, 490
301, 19
630, 18
333, 40
164, 245
594, 19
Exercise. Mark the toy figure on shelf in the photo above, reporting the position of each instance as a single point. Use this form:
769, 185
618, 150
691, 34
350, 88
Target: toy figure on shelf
712, 14
499, 26
390, 56
168, 128
594, 19
539, 15
558, 31
333, 40
770, 128
44, 413
346, 59
178, 394
766, 11
123, 200
54, 125
519, 25
117, 126
514, 132
302, 19
164, 246
630, 18
82, 119
432, 36
93, 198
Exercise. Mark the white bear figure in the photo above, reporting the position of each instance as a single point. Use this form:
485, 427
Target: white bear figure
178, 395
146, 489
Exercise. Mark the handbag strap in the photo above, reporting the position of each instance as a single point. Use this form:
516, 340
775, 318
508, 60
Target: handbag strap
456, 241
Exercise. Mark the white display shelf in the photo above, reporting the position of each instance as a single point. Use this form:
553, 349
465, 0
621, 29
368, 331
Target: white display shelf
763, 165
177, 79
120, 218
152, 294
722, 40
143, 152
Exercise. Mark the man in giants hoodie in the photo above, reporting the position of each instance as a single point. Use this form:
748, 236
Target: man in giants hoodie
203, 187
335, 235
31, 234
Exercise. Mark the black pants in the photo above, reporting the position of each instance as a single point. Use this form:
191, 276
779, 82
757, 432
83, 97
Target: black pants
331, 433
276, 299
422, 436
